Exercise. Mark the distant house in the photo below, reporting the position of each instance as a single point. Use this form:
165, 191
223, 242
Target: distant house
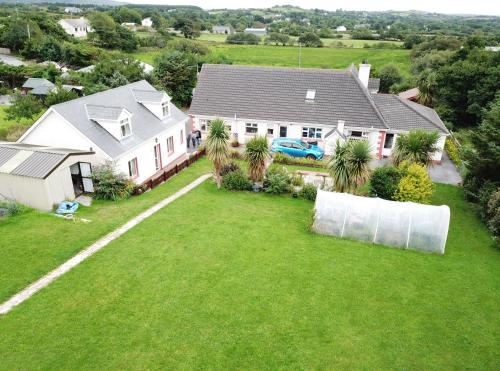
130, 25
227, 30
492, 48
362, 26
147, 68
42, 176
341, 29
134, 126
72, 10
314, 105
256, 31
77, 27
410, 94
147, 22
37, 86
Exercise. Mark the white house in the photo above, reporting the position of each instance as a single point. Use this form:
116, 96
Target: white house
225, 30
256, 31
72, 10
135, 126
77, 27
42, 176
147, 22
341, 29
315, 105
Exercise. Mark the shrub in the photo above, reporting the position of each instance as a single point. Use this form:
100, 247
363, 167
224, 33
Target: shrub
234, 154
277, 183
297, 180
384, 182
485, 193
12, 207
109, 185
236, 181
493, 213
256, 154
241, 38
308, 192
451, 148
235, 143
415, 186
281, 158
229, 167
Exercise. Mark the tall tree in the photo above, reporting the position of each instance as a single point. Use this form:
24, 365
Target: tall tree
349, 165
256, 154
217, 146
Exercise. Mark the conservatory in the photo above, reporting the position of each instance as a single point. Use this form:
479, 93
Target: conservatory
400, 224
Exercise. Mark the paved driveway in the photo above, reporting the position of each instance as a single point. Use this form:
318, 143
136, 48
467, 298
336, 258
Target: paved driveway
11, 60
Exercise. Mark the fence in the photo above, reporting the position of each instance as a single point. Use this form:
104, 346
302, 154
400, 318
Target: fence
163, 176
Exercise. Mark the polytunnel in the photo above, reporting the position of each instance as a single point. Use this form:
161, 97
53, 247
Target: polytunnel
400, 224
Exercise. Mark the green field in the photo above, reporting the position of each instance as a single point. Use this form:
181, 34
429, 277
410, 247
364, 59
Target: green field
221, 280
311, 57
7, 126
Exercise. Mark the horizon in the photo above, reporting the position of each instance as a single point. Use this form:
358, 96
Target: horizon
478, 8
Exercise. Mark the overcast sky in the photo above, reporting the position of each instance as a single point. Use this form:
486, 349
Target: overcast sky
491, 7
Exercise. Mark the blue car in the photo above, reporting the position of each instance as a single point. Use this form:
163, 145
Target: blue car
296, 148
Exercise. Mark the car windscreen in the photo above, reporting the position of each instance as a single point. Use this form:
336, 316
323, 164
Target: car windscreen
306, 145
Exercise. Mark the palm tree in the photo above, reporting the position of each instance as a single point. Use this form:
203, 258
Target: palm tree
349, 165
415, 147
217, 147
256, 153
426, 85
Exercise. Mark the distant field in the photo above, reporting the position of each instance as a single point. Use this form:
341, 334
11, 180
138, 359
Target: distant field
218, 38
311, 57
6, 126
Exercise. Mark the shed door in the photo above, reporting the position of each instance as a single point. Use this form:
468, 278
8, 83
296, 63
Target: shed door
86, 172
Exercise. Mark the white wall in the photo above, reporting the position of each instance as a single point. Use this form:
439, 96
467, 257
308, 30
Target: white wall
437, 156
69, 29
31, 192
145, 153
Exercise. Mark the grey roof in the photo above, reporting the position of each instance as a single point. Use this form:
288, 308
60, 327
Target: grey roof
32, 161
98, 112
374, 84
145, 125
279, 94
150, 96
401, 114
35, 82
77, 22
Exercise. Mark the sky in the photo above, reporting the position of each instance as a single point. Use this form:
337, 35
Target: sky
487, 7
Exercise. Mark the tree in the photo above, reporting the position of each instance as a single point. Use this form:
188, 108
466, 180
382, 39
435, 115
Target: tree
384, 182
188, 28
242, 39
411, 40
60, 95
24, 106
417, 146
277, 39
310, 39
349, 165
18, 31
104, 33
256, 154
128, 42
111, 73
123, 14
427, 86
176, 72
389, 75
217, 147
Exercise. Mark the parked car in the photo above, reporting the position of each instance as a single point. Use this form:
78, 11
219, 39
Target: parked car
296, 148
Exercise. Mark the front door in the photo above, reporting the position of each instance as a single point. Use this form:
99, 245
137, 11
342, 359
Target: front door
283, 131
81, 176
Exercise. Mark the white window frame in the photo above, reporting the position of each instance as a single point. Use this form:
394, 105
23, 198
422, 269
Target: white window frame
125, 123
170, 145
311, 94
317, 132
252, 126
133, 171
165, 106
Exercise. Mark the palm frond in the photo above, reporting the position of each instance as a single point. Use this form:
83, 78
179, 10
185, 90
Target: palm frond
217, 146
256, 153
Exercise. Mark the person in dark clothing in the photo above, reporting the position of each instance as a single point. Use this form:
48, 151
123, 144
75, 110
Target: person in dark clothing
188, 142
198, 136
194, 140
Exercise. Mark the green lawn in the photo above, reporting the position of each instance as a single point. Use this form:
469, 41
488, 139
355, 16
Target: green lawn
220, 280
33, 243
6, 125
311, 57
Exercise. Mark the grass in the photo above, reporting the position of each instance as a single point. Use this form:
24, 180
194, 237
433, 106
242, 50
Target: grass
6, 126
34, 243
285, 56
221, 280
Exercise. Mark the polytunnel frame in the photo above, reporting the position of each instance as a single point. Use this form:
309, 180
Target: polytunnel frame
411, 210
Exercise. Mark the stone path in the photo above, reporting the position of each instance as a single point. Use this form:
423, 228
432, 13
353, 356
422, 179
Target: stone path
92, 249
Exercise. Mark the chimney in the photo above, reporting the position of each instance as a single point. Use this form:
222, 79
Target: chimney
340, 126
364, 74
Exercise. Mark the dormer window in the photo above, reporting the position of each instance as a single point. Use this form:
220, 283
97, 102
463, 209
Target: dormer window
125, 128
165, 109
311, 94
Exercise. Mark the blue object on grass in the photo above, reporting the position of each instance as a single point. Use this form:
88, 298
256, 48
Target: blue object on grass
67, 207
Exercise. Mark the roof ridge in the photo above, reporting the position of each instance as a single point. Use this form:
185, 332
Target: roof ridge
406, 102
325, 70
368, 96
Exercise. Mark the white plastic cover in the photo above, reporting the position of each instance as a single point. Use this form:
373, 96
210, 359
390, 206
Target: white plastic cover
391, 223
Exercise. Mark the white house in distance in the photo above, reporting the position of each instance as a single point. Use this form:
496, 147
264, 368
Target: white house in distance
147, 22
315, 105
134, 126
224, 30
72, 10
341, 29
256, 31
77, 27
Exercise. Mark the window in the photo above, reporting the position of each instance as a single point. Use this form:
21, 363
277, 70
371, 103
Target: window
133, 169
270, 131
311, 133
358, 134
170, 145
311, 94
157, 152
389, 140
125, 128
251, 128
182, 136
205, 125
164, 108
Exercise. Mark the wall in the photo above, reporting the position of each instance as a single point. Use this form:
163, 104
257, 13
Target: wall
145, 153
437, 156
27, 191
